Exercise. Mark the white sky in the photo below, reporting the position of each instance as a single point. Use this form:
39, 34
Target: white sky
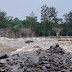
23, 8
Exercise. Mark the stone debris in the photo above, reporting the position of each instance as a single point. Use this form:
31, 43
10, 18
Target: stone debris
53, 59
2, 56
36, 46
29, 41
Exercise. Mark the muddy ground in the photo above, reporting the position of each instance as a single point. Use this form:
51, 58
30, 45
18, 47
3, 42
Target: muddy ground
17, 45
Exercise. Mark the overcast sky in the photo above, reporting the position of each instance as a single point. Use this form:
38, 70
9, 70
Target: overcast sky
23, 8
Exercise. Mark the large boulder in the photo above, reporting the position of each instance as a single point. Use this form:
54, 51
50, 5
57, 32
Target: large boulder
29, 41
2, 56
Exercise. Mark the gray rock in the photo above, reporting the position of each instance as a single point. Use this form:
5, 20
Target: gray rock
47, 65
2, 56
29, 70
29, 41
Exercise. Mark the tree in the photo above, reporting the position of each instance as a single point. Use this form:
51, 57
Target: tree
10, 21
68, 19
31, 20
48, 14
3, 19
16, 21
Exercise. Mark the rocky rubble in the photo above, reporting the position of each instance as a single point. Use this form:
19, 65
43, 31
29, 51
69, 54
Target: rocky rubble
29, 41
2, 56
53, 59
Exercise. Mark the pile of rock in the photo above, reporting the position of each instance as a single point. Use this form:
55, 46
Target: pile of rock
53, 59
56, 49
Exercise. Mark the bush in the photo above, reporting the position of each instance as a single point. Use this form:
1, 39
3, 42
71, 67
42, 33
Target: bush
15, 29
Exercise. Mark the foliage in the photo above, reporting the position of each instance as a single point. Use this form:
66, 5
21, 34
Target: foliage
68, 19
49, 20
14, 29
48, 14
3, 19
31, 20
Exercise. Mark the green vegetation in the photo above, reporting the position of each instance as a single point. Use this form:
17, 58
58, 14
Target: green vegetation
15, 29
49, 20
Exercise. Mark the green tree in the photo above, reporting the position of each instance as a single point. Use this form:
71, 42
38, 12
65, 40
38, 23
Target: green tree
68, 19
31, 20
3, 20
48, 14
10, 21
